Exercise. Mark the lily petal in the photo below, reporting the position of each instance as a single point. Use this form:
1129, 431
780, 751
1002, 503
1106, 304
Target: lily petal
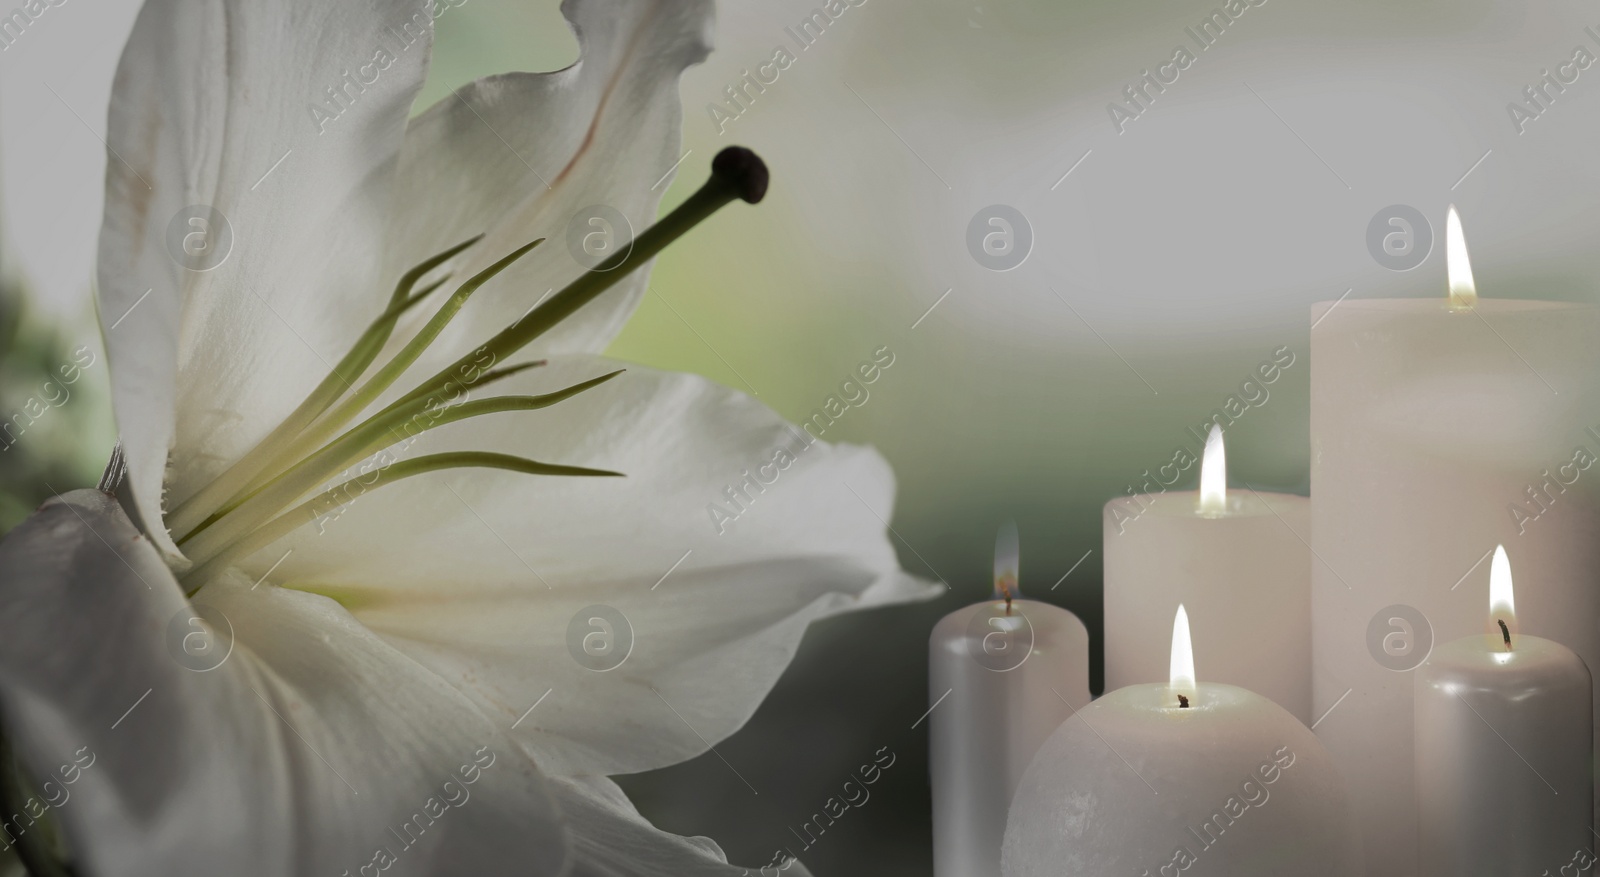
526, 155
611, 839
242, 230
482, 577
312, 747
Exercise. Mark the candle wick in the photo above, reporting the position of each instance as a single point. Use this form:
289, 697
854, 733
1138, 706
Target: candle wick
1505, 632
1183, 702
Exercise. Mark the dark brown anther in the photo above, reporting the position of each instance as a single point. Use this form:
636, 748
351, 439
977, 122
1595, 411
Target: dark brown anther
744, 170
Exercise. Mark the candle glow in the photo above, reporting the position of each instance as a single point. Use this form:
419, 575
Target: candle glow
1007, 557
1457, 267
1214, 474
1502, 603
1182, 680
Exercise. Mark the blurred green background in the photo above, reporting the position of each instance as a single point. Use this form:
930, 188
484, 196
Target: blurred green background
1168, 260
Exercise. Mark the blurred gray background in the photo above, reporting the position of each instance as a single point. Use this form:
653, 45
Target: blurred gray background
1168, 259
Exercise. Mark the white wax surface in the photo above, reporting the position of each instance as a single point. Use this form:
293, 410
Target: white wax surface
1427, 427
1244, 576
1503, 742
983, 733
1234, 786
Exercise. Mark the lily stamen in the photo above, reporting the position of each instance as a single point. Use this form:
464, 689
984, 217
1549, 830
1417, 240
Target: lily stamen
361, 399
384, 430
348, 491
736, 173
208, 499
252, 508
314, 433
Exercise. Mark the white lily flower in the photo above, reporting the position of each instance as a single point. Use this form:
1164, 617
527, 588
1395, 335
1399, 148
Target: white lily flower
392, 685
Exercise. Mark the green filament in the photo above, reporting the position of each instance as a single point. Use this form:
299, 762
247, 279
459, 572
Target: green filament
353, 489
198, 507
242, 511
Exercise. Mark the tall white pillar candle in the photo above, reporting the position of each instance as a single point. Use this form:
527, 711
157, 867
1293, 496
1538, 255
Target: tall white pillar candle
1504, 734
1241, 558
1002, 674
1440, 428
1180, 777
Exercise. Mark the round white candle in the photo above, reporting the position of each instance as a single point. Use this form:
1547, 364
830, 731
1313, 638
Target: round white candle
1503, 741
1433, 428
1137, 784
1242, 558
1002, 675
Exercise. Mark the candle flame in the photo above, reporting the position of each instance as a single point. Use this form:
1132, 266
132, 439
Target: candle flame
1214, 474
1457, 267
1502, 603
1007, 558
1182, 679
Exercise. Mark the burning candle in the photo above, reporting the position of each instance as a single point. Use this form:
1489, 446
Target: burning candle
1441, 427
1243, 558
1002, 675
1503, 742
1181, 776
